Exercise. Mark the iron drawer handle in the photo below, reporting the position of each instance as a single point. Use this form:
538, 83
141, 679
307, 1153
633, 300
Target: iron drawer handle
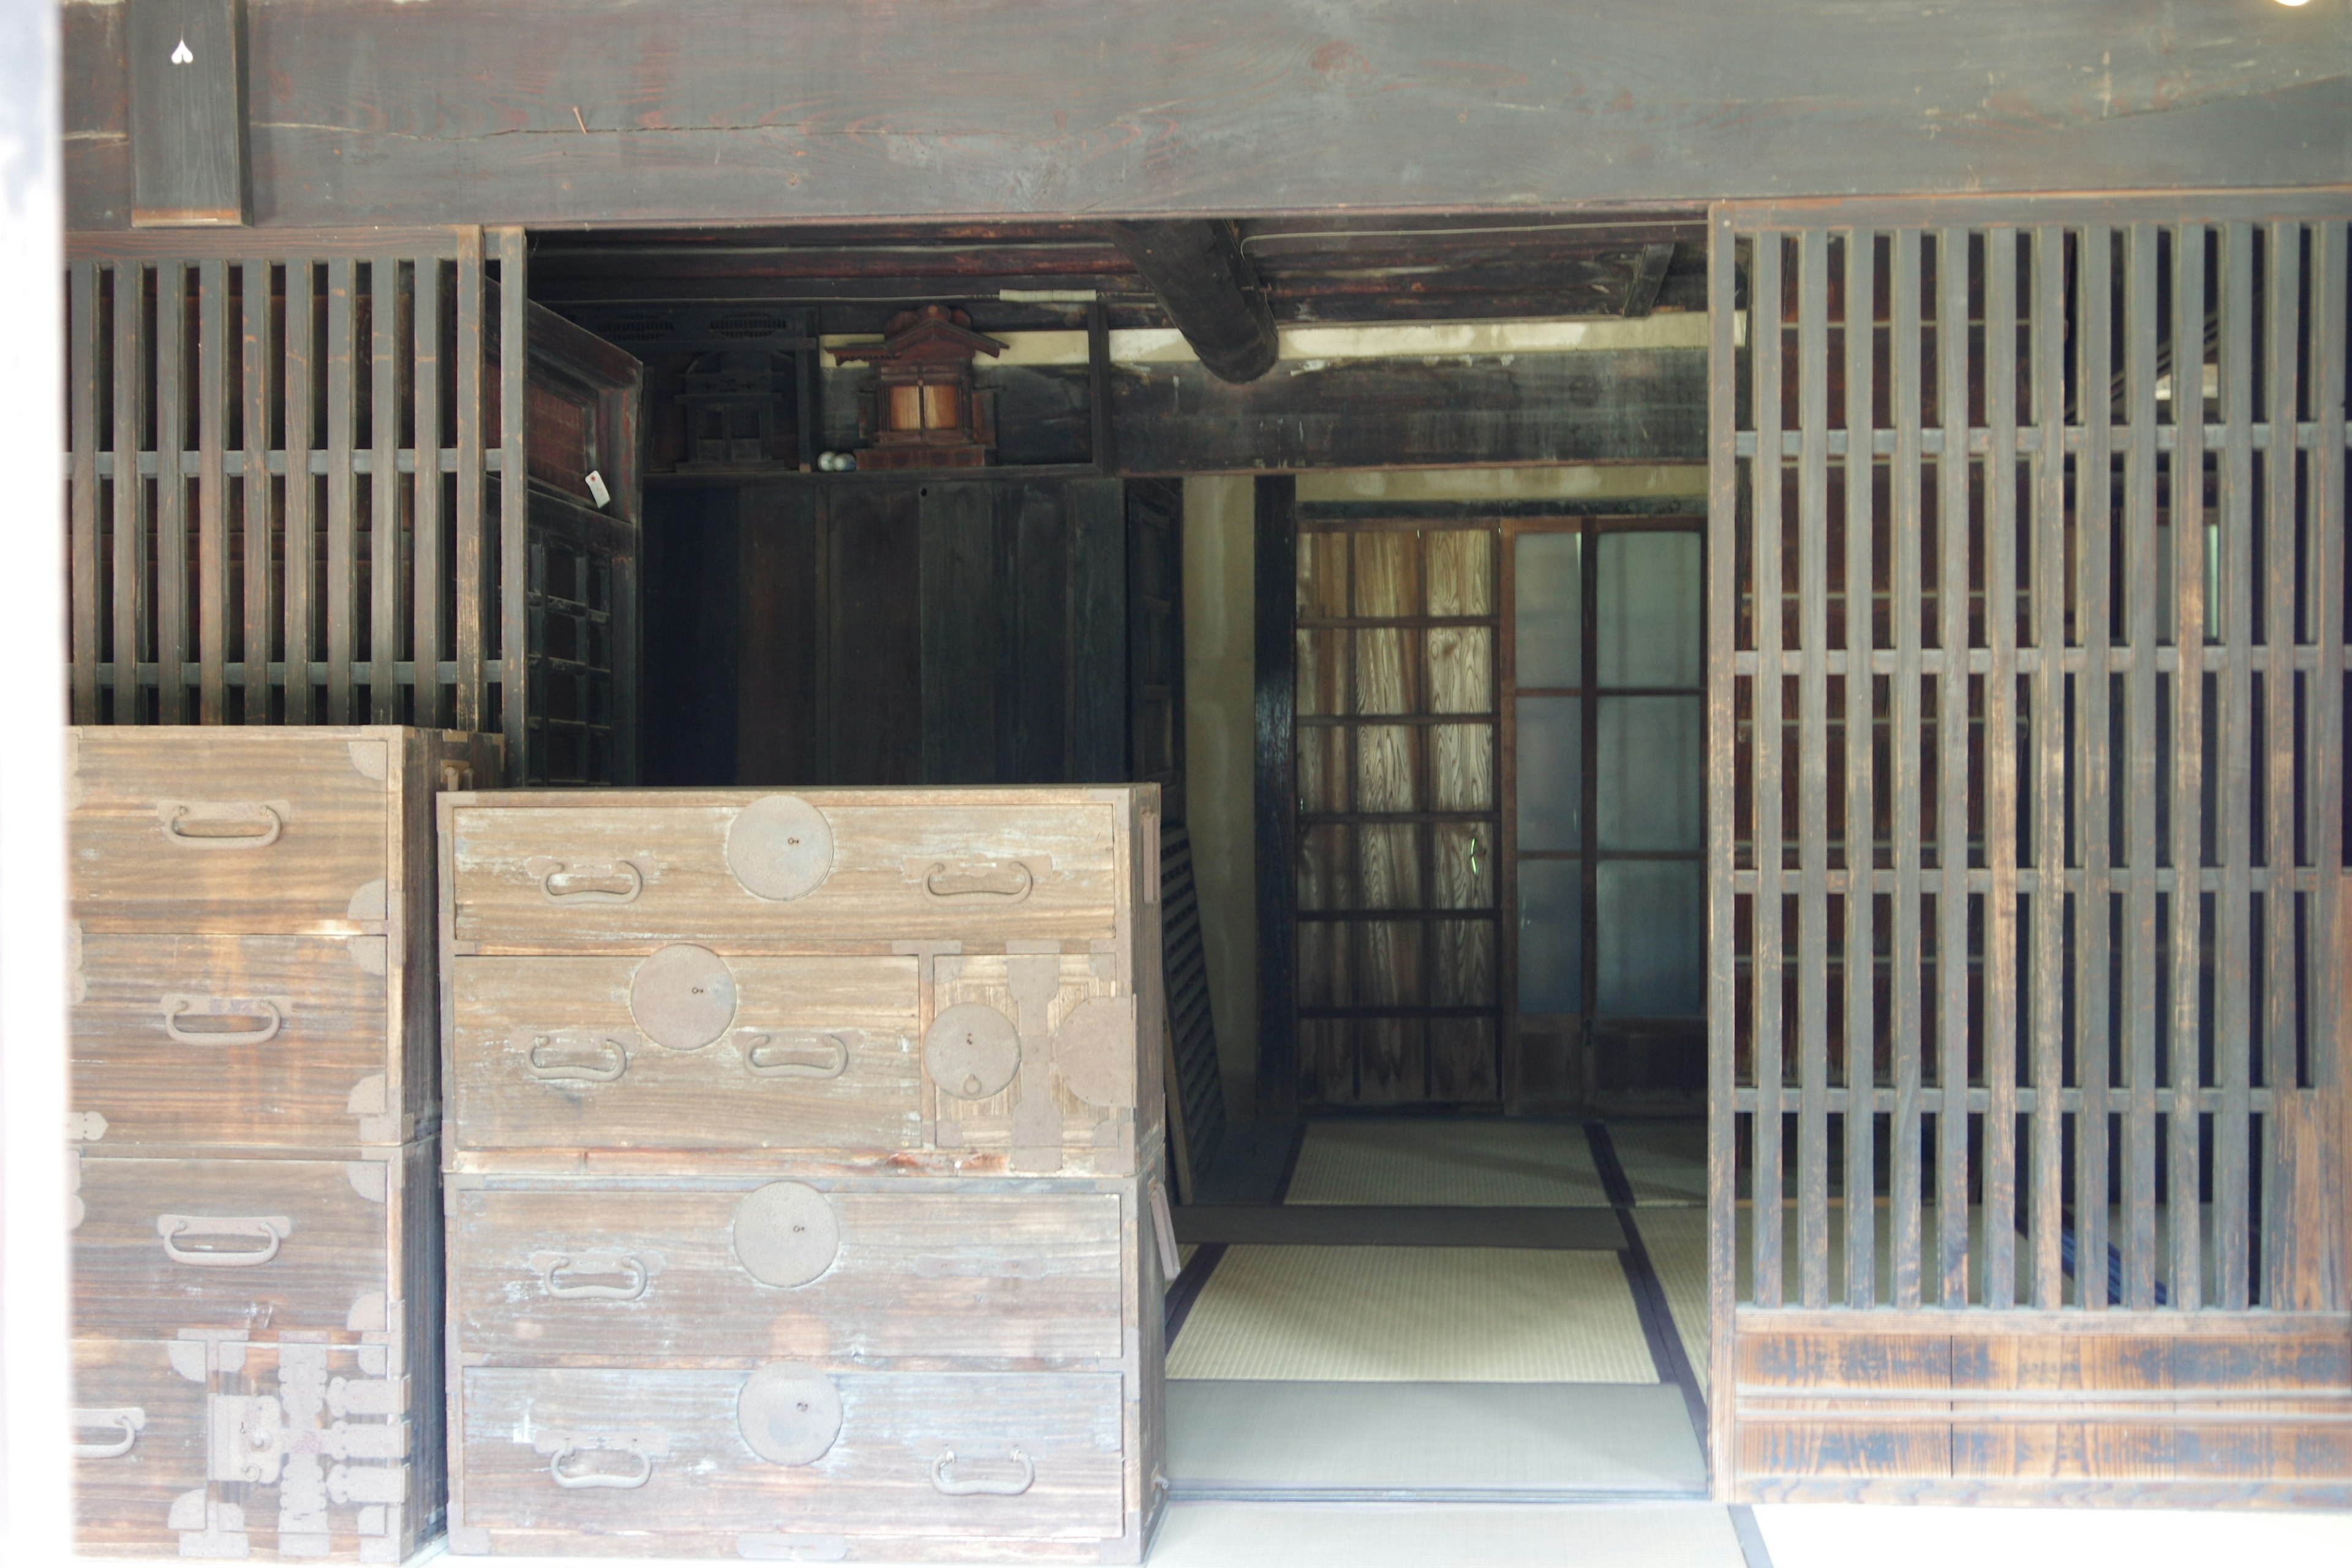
563, 884
178, 1007
613, 1060
942, 883
622, 1481
129, 1420
264, 816
268, 1228
949, 1485
629, 1267
836, 1048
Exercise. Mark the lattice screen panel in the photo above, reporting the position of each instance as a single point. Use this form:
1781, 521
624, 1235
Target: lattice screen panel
2027, 611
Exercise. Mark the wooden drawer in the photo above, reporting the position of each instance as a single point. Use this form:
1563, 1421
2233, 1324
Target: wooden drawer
262, 1246
740, 1271
251, 1040
813, 1053
649, 1459
217, 1447
743, 871
220, 829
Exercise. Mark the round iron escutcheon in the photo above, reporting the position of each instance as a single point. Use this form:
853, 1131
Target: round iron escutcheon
1094, 1049
786, 1234
683, 997
790, 1414
780, 847
972, 1050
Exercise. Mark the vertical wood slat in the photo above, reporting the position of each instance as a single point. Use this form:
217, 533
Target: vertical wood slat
1904, 609
2234, 947
2093, 534
2282, 319
2046, 1217
171, 649
302, 539
2139, 945
514, 499
429, 705
259, 344
1722, 957
386, 570
1952, 358
342, 545
2328, 531
1999, 1170
212, 490
2188, 510
131, 391
1813, 753
1860, 1124
1766, 967
81, 423
470, 557
1861, 810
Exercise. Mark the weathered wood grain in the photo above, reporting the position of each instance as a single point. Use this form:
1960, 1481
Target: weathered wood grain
923, 1277
1132, 110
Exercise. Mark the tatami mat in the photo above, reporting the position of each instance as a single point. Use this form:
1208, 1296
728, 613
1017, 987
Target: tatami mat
1663, 1162
1348, 1224
1446, 1163
1414, 1314
1675, 1240
1437, 1441
1473, 1535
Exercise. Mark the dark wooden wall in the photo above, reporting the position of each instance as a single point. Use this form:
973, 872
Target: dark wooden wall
859, 632
579, 111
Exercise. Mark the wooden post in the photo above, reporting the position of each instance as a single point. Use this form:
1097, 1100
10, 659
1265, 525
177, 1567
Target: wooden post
1276, 535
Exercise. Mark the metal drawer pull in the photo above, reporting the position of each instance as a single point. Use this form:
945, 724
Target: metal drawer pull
129, 1419
1008, 885
268, 1229
591, 882
243, 825
593, 1265
951, 1487
773, 1063
623, 1480
610, 1059
231, 1008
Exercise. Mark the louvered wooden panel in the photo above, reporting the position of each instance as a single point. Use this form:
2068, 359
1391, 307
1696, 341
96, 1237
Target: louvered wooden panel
2026, 849
285, 500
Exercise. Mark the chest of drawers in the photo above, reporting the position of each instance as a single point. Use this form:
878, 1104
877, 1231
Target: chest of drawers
256, 1102
803, 1173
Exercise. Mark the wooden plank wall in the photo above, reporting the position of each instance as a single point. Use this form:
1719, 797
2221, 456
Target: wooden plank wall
2026, 875
277, 478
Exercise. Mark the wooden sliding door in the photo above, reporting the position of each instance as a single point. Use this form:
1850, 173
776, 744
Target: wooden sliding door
2026, 850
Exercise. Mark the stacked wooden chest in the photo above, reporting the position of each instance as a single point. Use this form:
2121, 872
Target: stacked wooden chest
804, 1173
255, 1099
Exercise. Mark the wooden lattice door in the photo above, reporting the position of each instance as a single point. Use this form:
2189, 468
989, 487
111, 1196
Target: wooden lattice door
2026, 850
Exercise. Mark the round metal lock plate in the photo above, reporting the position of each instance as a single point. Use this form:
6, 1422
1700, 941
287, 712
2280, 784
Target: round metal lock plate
1094, 1049
683, 997
786, 1234
972, 1051
789, 1413
780, 847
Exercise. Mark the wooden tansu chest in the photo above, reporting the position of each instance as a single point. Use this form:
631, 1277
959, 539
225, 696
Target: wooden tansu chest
804, 1173
255, 1098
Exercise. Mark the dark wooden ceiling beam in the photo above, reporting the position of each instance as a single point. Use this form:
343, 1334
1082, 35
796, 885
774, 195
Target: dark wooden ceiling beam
1207, 288
1650, 270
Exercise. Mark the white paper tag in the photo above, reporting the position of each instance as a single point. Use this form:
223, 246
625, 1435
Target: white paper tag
596, 490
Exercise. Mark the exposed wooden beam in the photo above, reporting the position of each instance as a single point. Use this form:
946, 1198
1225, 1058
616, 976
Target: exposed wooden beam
1650, 268
1206, 285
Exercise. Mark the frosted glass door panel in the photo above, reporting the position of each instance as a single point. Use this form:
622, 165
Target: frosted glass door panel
1651, 788
1549, 600
1551, 778
1648, 601
1650, 916
1551, 936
